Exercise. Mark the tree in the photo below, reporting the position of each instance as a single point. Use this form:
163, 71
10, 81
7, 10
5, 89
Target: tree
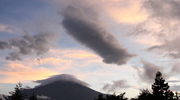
18, 94
33, 97
145, 94
160, 89
100, 97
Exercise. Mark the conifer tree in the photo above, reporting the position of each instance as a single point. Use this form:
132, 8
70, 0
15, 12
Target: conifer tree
144, 94
33, 97
18, 94
160, 88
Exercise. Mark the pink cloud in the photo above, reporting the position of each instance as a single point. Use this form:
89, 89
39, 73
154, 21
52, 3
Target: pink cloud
13, 73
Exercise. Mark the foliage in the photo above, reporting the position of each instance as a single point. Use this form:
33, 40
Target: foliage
145, 95
160, 92
18, 94
33, 97
161, 89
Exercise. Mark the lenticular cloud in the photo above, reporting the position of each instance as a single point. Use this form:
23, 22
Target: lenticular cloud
93, 35
62, 77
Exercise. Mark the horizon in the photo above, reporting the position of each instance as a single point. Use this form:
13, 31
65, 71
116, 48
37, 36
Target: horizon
112, 45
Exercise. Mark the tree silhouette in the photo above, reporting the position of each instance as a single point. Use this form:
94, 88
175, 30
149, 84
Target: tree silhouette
145, 94
160, 89
100, 97
33, 97
18, 94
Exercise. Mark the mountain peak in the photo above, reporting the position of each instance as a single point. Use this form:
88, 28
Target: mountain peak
63, 78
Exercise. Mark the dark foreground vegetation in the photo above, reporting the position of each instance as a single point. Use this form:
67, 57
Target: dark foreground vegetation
160, 91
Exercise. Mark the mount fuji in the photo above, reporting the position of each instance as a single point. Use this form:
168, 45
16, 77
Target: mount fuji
63, 87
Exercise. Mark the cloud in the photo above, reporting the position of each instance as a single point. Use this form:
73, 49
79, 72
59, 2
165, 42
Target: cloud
4, 45
27, 45
61, 77
173, 81
123, 10
93, 35
54, 61
13, 56
166, 14
171, 48
118, 11
73, 54
43, 97
14, 72
67, 58
162, 24
163, 9
175, 88
148, 72
5, 28
116, 85
175, 70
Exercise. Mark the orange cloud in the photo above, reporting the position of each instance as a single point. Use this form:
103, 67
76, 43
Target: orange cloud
149, 42
13, 73
126, 11
54, 61
74, 53
58, 59
121, 11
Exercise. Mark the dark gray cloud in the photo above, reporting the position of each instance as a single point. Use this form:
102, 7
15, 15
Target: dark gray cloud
116, 85
4, 45
38, 44
148, 72
61, 77
14, 56
93, 35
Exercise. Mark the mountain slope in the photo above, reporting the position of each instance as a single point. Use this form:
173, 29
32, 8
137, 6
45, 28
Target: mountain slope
64, 90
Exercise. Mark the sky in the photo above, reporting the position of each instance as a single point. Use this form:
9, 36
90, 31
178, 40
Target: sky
112, 45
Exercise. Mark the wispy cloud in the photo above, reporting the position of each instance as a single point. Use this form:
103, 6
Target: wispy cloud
123, 10
5, 28
13, 73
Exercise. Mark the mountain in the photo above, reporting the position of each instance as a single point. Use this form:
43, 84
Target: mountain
64, 89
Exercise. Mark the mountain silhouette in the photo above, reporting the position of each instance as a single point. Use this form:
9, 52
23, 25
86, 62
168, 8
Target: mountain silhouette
64, 90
